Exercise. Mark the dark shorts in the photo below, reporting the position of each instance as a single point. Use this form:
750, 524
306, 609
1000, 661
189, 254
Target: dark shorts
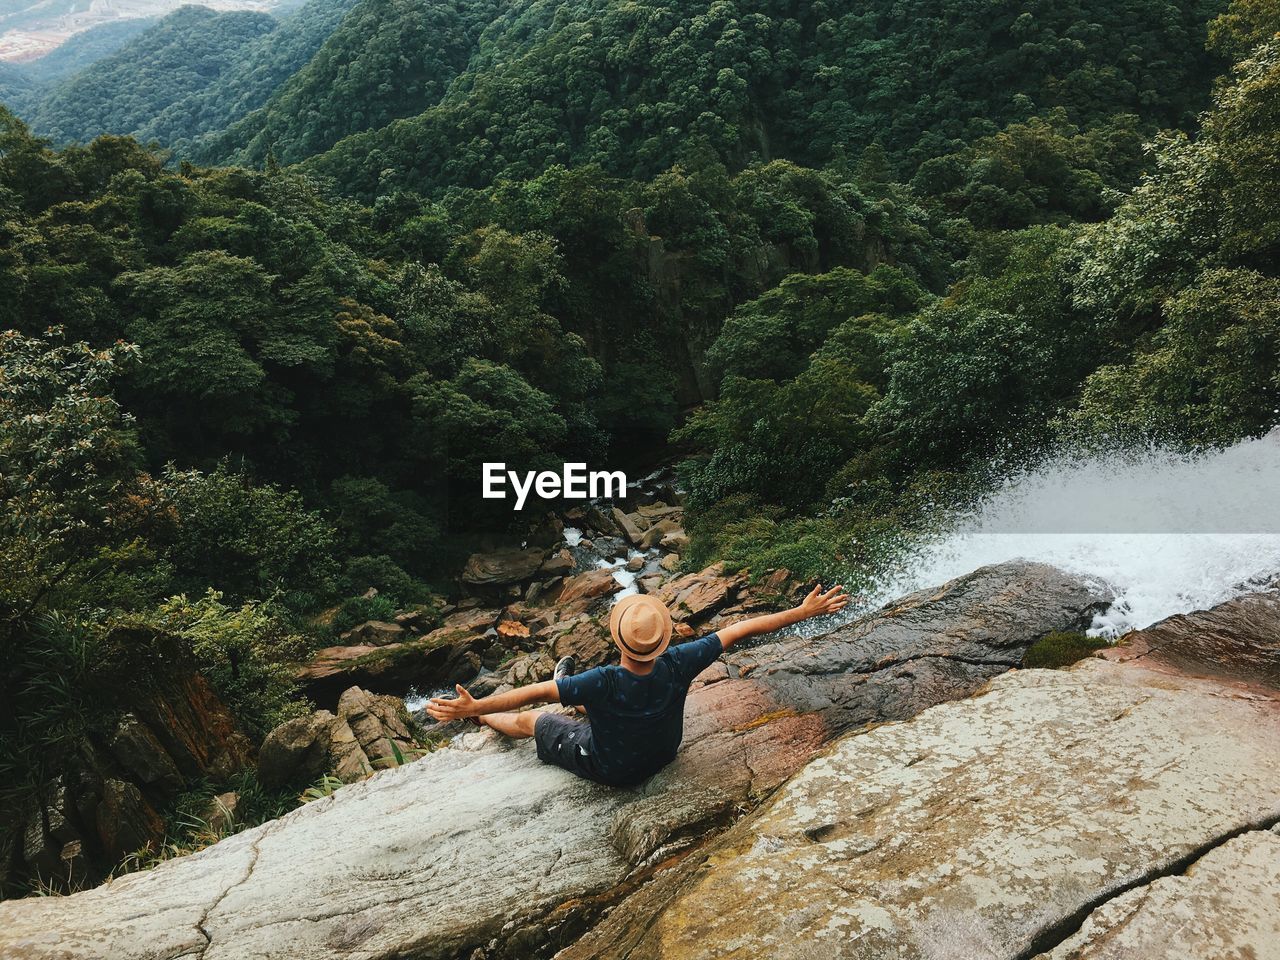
566, 743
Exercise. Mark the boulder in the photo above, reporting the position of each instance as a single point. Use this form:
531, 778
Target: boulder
417, 619
347, 761
635, 564
375, 633
559, 564
627, 524
183, 713
492, 850
675, 540
446, 655
126, 822
608, 548
650, 582
502, 567
659, 511
986, 828
1238, 640
1225, 904
296, 752
473, 619
601, 522
696, 596
656, 533
594, 583
380, 724
75, 868
670, 563
586, 639
39, 850
141, 755
220, 813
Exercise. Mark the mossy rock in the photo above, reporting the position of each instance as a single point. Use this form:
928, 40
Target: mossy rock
1061, 649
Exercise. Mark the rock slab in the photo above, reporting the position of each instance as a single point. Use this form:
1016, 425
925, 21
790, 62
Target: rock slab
985, 828
493, 850
1227, 904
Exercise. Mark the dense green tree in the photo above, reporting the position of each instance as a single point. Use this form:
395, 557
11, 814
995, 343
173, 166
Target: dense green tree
1187, 271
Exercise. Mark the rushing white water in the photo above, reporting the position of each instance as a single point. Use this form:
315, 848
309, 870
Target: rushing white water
1167, 533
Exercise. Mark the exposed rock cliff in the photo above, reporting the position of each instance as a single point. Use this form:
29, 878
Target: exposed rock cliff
492, 850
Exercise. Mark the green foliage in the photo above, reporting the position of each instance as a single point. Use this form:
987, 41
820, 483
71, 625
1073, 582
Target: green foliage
324, 787
247, 653
1206, 376
487, 413
1061, 649
1043, 170
245, 541
358, 609
805, 366
67, 462
254, 72
387, 59
1243, 26
637, 87
994, 360
1186, 272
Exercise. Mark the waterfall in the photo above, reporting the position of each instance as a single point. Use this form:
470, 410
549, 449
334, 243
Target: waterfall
1167, 532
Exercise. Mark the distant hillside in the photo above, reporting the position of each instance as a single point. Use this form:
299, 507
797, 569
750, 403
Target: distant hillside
16, 86
253, 75
639, 85
388, 59
84, 49
23, 85
183, 53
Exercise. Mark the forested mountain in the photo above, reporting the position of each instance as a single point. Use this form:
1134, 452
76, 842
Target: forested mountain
253, 74
16, 85
122, 93
389, 59
636, 87
86, 48
23, 85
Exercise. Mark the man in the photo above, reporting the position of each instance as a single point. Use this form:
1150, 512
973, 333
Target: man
635, 711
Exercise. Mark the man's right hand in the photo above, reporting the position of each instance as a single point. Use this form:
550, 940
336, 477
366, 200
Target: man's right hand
818, 603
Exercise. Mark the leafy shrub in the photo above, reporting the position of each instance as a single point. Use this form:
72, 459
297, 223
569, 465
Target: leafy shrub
356, 610
248, 542
247, 654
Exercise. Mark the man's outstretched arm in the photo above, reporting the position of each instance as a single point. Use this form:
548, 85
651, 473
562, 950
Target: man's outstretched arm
465, 705
814, 605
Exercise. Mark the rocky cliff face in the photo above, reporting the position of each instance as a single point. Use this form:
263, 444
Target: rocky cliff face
481, 847
102, 806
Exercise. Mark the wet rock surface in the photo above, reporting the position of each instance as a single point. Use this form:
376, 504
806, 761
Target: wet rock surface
484, 847
1238, 640
1117, 809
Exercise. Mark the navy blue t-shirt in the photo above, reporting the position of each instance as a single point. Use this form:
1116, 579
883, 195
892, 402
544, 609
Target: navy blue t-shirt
637, 722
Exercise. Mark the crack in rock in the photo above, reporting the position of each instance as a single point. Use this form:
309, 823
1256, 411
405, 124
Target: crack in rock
1055, 935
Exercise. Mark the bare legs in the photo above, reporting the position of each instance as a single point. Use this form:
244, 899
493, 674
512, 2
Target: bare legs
513, 724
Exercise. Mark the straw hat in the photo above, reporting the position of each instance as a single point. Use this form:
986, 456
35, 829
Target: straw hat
641, 626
